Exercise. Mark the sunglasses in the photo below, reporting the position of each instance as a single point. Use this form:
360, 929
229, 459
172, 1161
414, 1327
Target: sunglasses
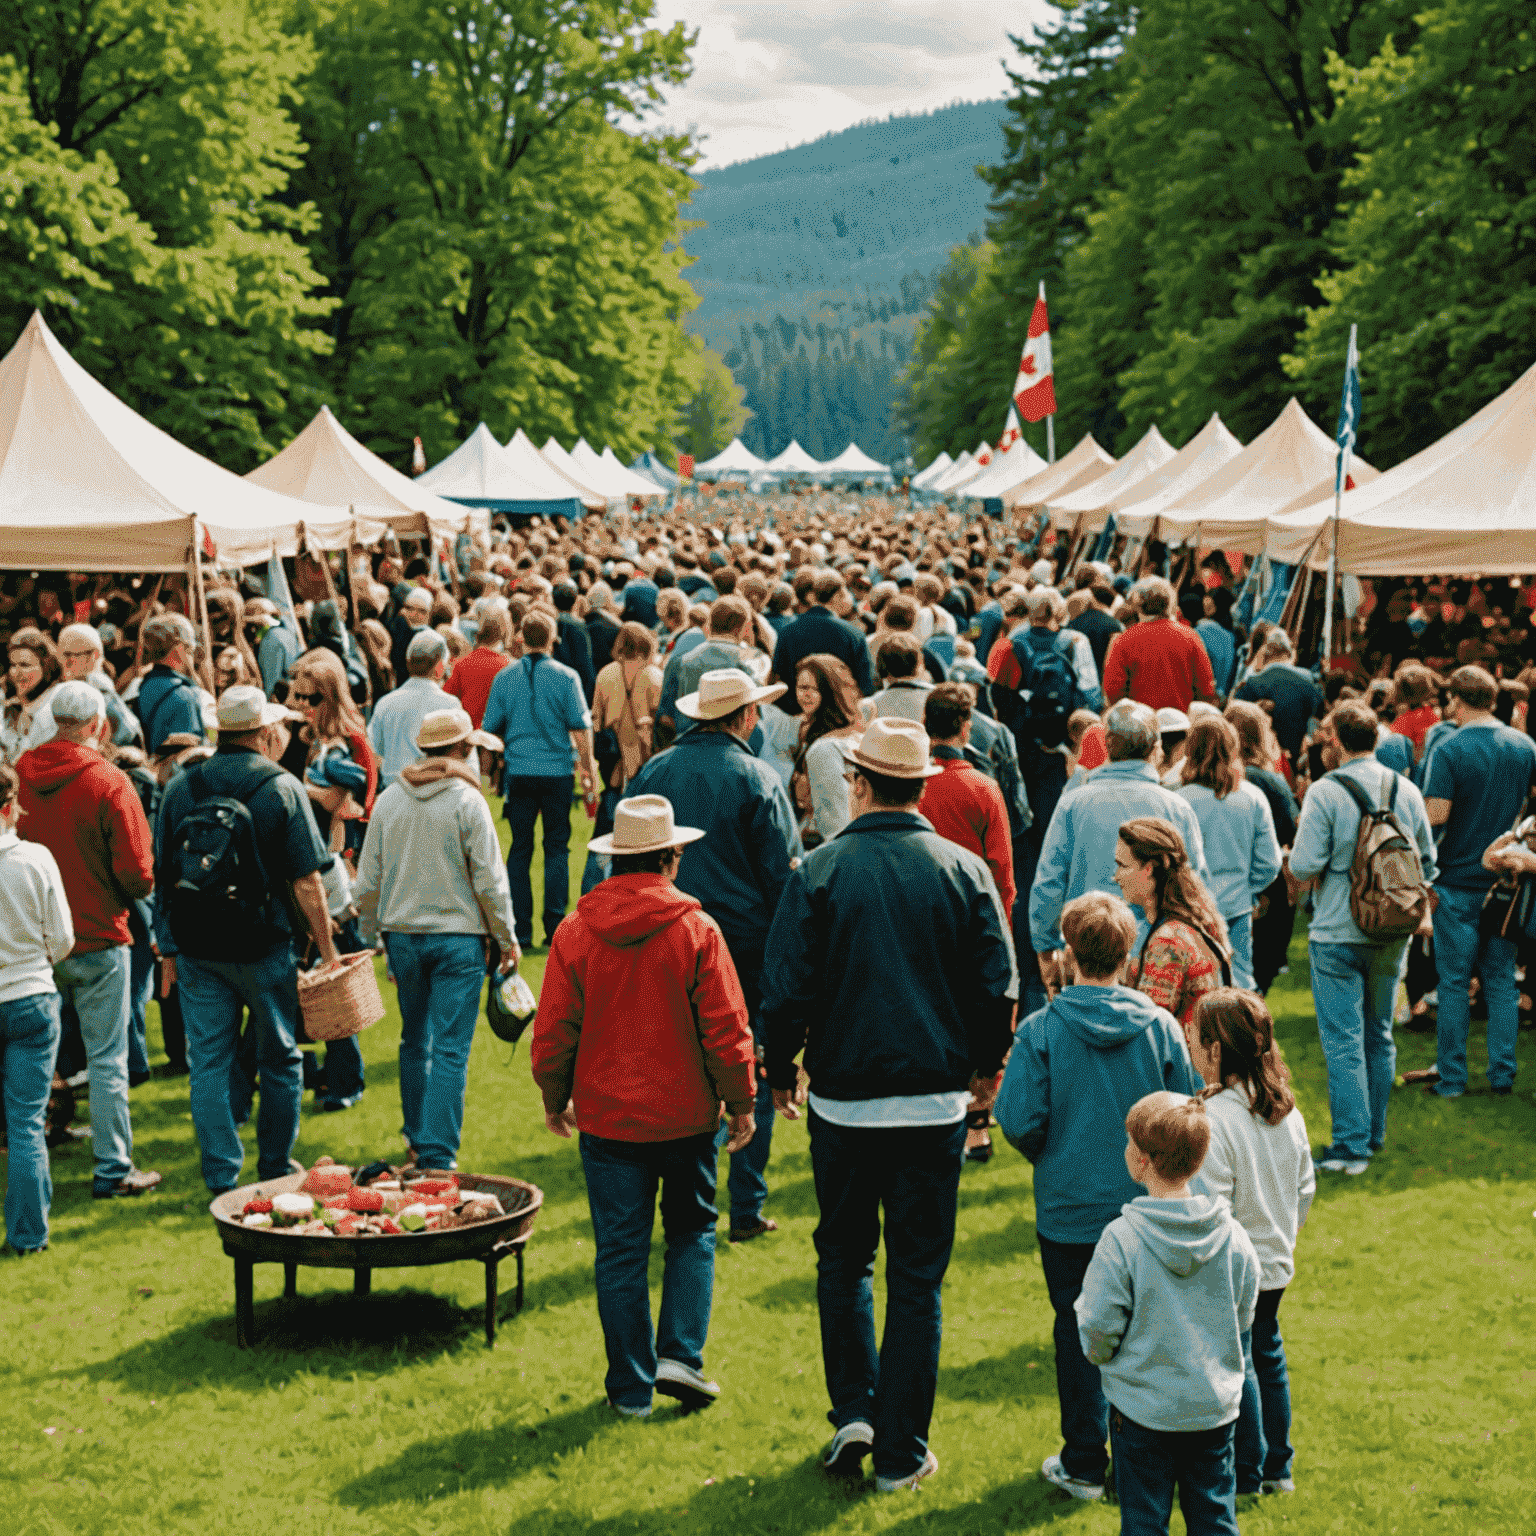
305, 698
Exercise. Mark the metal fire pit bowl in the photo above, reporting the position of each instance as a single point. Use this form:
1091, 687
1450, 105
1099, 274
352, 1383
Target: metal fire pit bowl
488, 1241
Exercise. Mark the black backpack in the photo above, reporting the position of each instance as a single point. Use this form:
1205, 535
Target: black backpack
220, 904
1048, 692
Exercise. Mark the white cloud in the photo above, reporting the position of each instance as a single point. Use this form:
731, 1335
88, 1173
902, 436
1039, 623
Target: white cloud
770, 73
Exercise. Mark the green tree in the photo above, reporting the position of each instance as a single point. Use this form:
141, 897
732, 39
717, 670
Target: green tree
182, 110
1436, 261
714, 412
501, 249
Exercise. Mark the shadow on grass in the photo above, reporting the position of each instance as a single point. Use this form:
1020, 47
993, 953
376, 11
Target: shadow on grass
1008, 1245
334, 1334
1024, 1505
791, 1295
1025, 1372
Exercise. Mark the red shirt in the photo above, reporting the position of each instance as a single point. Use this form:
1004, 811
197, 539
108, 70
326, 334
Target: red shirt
1159, 664
1415, 724
86, 814
1002, 664
471, 679
967, 807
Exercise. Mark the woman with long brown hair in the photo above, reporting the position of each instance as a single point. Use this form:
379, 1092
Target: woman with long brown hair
1260, 1163
830, 716
1185, 953
1236, 828
34, 671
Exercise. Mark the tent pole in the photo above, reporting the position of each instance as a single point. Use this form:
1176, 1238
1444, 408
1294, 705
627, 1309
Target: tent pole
149, 613
206, 677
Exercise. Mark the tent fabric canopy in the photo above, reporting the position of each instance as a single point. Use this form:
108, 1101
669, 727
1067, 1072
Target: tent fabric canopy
1151, 453
1006, 472
88, 484
854, 462
528, 462
479, 472
960, 473
1228, 509
649, 466
327, 465
931, 472
1464, 506
617, 480
1086, 462
734, 459
795, 461
586, 485
1211, 447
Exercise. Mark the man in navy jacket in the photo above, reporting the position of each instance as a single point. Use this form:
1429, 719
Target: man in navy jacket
820, 632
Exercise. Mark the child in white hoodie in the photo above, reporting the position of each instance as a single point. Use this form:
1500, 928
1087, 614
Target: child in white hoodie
1260, 1162
1167, 1298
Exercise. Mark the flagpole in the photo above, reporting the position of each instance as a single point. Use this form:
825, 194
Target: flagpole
1346, 444
1050, 439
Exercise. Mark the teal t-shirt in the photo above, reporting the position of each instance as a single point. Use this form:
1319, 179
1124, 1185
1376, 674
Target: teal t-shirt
1486, 772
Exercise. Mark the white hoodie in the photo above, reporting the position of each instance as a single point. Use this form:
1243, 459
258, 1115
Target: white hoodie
431, 861
35, 925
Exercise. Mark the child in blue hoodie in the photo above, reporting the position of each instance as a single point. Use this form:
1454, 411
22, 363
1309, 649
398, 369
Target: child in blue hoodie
1164, 1306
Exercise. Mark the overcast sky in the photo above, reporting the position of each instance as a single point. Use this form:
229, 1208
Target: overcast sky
770, 73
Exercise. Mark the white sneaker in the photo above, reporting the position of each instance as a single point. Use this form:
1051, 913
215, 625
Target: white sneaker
847, 1449
688, 1386
897, 1484
1052, 1471
1278, 1485
1351, 1166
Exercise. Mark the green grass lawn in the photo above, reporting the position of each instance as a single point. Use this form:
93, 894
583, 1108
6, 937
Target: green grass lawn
127, 1408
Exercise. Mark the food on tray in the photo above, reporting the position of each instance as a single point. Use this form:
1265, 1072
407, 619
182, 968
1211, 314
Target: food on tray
288, 1209
366, 1200
257, 1219
328, 1180
382, 1203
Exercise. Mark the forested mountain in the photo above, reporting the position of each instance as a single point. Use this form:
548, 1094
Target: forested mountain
814, 263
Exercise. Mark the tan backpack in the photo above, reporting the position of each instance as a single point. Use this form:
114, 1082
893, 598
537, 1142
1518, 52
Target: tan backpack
1387, 894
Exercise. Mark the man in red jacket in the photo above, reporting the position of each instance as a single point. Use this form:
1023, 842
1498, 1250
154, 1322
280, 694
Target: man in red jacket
1157, 662
641, 1035
86, 813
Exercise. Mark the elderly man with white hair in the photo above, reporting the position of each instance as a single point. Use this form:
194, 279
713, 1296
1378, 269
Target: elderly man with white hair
1078, 853
80, 651
398, 715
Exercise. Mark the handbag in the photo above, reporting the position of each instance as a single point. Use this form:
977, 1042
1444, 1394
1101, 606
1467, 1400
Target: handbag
1509, 908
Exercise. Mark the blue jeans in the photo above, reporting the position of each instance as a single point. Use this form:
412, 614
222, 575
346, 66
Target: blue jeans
622, 1181
1353, 987
747, 1185
214, 994
1240, 936
438, 977
1263, 1439
600, 865
141, 983
29, 1040
1458, 953
96, 984
1084, 1413
914, 1173
527, 801
1151, 1463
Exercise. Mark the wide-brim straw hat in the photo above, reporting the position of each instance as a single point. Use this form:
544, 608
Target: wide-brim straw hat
443, 727
643, 824
723, 692
897, 748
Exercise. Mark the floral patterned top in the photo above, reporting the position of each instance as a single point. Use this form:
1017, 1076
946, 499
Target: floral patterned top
1175, 969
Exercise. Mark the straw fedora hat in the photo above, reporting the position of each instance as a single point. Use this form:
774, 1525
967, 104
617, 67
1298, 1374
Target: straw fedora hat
443, 727
896, 748
723, 692
643, 824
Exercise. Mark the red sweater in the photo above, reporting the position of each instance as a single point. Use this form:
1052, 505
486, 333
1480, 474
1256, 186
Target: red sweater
86, 814
642, 1024
1159, 664
471, 679
965, 806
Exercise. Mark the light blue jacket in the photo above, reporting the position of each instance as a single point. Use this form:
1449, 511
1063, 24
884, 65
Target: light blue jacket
534, 706
396, 720
1325, 843
1078, 854
1169, 1292
1241, 850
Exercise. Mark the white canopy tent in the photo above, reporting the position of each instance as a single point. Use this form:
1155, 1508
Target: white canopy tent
735, 459
568, 468
1074, 509
1211, 447
325, 464
1228, 509
854, 464
624, 481
1006, 472
87, 484
1464, 506
537, 470
931, 472
480, 472
960, 473
795, 461
1087, 461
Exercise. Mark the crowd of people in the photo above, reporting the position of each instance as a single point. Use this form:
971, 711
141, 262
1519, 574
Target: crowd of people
910, 826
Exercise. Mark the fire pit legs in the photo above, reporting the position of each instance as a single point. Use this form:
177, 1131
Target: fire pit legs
491, 1261
245, 1301
290, 1282
362, 1281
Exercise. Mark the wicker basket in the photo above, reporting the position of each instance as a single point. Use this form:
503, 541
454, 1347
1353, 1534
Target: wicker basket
340, 1002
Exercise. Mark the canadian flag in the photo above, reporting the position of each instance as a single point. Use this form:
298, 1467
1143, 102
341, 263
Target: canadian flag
1034, 391
1011, 433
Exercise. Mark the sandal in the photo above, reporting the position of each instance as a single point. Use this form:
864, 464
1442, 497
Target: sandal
978, 1120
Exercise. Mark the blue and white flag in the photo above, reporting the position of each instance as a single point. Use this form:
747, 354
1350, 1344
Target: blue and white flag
282, 598
1349, 416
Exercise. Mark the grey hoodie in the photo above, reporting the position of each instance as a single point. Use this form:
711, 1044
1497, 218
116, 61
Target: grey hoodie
1167, 1298
431, 862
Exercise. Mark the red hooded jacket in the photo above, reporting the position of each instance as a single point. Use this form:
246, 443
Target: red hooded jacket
641, 1019
86, 814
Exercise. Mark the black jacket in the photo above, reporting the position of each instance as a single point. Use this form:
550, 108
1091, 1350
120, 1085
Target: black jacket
890, 963
573, 647
819, 631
